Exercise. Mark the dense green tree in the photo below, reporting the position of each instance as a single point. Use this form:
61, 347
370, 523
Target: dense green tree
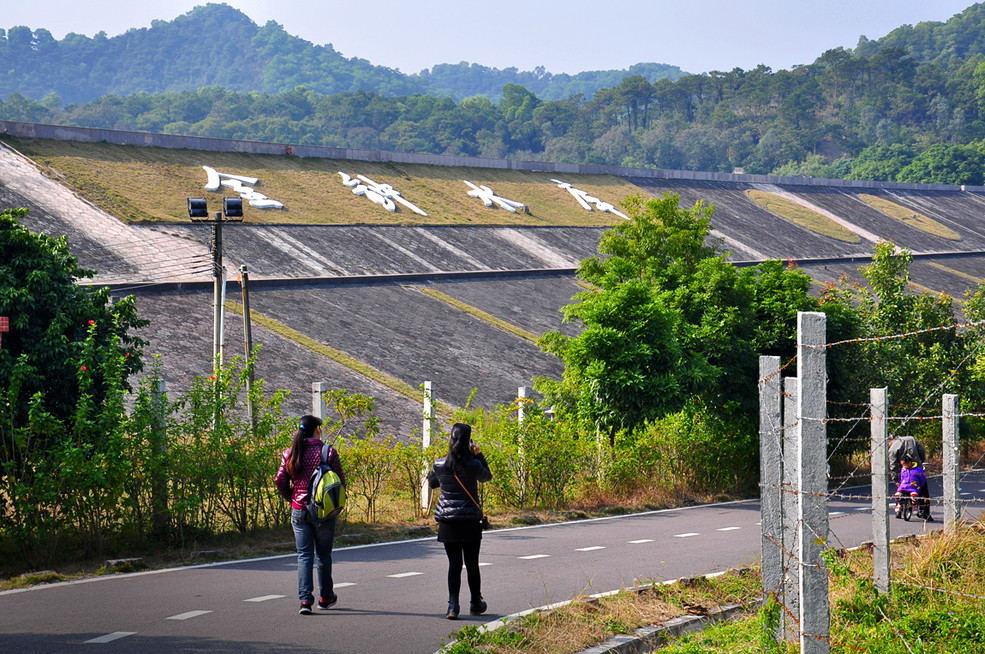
946, 164
669, 322
42, 357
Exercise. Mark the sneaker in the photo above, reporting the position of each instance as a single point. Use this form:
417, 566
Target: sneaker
328, 603
928, 518
477, 607
305, 608
899, 511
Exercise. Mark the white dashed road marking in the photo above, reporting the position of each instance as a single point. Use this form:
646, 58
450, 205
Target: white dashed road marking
109, 638
263, 598
484, 563
534, 556
590, 549
687, 535
728, 528
640, 541
186, 616
344, 584
836, 513
401, 575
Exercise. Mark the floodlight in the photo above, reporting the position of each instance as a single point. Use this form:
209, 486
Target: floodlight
232, 207
197, 208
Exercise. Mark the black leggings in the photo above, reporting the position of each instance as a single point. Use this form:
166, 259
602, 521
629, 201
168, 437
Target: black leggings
470, 552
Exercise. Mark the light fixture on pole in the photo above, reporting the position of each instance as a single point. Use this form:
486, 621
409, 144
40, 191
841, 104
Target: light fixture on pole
198, 211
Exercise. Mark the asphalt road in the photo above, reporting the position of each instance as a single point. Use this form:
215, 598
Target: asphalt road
392, 596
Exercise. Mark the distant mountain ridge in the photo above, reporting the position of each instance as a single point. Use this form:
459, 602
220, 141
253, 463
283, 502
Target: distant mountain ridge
217, 45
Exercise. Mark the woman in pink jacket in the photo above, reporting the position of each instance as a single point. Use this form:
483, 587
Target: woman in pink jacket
297, 464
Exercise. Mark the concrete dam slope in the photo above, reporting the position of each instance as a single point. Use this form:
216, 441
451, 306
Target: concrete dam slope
420, 302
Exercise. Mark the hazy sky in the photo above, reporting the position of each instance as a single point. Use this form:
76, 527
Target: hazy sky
564, 36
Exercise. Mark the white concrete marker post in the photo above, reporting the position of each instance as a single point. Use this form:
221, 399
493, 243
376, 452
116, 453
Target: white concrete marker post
952, 483
812, 505
880, 493
160, 520
318, 408
425, 444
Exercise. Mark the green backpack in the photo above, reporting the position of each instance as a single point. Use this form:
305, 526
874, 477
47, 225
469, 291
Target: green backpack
327, 493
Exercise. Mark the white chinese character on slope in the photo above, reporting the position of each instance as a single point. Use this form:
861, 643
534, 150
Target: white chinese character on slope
487, 196
586, 200
242, 185
382, 194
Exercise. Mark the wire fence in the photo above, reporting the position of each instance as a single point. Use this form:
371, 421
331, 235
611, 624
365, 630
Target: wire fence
850, 441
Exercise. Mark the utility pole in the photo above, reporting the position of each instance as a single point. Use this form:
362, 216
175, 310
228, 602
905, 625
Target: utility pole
232, 210
218, 277
244, 282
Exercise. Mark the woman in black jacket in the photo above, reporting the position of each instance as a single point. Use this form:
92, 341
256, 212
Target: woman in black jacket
459, 515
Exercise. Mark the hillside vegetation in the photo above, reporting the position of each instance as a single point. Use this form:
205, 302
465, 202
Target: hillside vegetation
141, 183
216, 45
908, 107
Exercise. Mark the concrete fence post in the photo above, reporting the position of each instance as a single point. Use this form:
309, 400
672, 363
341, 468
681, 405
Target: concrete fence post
426, 433
951, 445
879, 451
318, 406
791, 466
771, 478
812, 513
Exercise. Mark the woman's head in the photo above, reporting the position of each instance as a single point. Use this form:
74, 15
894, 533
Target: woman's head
308, 427
459, 445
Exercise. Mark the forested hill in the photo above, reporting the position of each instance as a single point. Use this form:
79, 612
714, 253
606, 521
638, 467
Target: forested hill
217, 45
909, 107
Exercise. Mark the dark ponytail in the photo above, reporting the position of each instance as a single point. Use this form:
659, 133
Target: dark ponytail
306, 429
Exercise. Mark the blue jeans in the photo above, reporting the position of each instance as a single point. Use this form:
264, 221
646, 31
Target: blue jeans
313, 540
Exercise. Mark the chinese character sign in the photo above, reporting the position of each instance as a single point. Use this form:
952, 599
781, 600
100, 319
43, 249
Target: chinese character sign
382, 194
586, 200
242, 185
488, 198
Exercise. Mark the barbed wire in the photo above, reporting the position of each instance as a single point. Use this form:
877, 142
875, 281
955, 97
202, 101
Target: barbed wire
889, 337
937, 499
847, 434
897, 631
770, 376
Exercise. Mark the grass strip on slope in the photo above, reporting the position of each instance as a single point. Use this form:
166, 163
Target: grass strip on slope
801, 215
478, 313
338, 356
977, 280
909, 217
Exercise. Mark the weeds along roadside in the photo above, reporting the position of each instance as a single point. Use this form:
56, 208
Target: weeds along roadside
936, 606
164, 479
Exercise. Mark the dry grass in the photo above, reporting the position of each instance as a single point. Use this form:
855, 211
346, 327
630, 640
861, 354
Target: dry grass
586, 622
138, 183
909, 217
801, 215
